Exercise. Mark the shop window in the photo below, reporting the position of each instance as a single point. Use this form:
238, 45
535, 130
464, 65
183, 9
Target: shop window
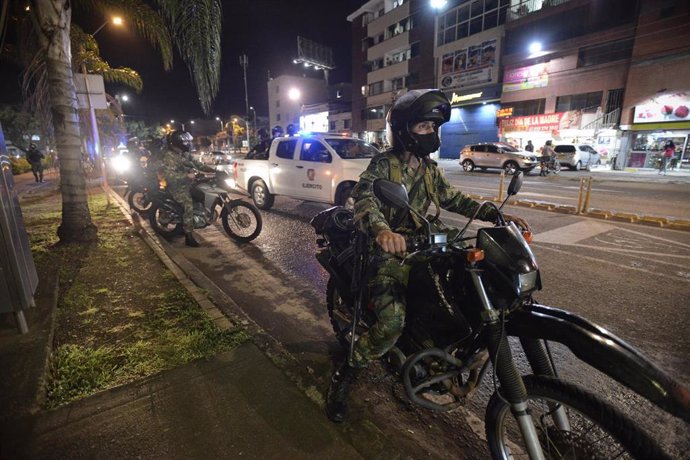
605, 53
587, 102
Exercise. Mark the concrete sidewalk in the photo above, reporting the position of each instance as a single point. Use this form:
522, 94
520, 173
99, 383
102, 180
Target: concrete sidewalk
237, 404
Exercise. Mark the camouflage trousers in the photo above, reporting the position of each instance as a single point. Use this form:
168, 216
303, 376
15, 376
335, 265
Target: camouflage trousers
182, 196
387, 293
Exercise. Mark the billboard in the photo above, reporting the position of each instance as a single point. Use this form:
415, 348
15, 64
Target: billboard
534, 76
667, 107
549, 122
469, 66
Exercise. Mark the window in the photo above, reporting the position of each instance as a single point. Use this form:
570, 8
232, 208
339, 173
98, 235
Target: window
352, 148
605, 52
491, 148
471, 18
376, 88
331, 125
397, 83
347, 124
373, 113
286, 149
278, 103
584, 101
564, 149
314, 151
278, 117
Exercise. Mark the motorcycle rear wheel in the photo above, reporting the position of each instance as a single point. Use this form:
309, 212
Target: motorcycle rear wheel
165, 222
241, 220
340, 313
597, 429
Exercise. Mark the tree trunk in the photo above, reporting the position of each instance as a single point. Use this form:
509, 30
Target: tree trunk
53, 23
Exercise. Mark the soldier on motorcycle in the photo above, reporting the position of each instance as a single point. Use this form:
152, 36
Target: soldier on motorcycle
177, 167
413, 124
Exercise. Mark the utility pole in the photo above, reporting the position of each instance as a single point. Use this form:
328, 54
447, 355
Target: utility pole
244, 62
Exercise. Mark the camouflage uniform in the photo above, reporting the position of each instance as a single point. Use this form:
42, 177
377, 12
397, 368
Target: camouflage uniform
175, 168
389, 284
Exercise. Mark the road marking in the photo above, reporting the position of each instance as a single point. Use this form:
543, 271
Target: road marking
571, 234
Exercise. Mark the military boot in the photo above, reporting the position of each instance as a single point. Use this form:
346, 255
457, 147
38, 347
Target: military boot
190, 241
339, 392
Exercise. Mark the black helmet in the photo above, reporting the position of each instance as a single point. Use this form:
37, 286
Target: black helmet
180, 141
277, 131
413, 107
291, 130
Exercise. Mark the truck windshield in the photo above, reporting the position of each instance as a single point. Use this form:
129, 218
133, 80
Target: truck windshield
352, 148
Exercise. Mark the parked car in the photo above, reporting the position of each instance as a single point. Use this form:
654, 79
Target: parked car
497, 155
577, 156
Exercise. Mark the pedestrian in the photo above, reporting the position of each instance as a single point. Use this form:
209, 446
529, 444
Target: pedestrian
669, 151
529, 147
35, 158
178, 169
413, 124
548, 155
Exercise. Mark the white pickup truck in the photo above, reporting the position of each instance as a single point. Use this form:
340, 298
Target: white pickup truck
315, 167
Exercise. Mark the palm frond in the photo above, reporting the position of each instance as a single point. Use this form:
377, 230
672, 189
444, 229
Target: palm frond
148, 22
197, 26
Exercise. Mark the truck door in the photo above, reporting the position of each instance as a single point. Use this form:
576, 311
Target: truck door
314, 172
281, 167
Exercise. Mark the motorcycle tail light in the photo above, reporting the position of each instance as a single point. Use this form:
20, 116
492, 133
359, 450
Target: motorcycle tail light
528, 236
474, 255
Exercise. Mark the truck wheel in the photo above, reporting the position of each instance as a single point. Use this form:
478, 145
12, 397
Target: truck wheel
262, 198
344, 198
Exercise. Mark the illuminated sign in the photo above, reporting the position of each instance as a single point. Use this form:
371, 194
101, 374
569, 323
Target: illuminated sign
456, 98
546, 123
469, 66
504, 112
534, 76
667, 107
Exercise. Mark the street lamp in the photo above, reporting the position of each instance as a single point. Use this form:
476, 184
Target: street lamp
254, 117
438, 4
534, 47
116, 20
294, 94
221, 123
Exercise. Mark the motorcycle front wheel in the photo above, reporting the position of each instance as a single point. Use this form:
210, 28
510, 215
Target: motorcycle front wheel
241, 221
165, 221
139, 202
592, 427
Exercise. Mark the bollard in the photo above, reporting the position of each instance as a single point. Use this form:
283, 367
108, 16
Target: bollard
580, 196
501, 186
588, 194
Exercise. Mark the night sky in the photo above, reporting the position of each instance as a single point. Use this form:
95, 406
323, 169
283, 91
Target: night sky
265, 30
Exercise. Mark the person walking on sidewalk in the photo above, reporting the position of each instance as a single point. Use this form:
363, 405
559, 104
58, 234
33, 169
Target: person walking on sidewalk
35, 158
413, 124
177, 167
529, 147
669, 151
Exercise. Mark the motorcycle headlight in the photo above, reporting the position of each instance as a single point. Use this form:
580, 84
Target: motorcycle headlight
121, 164
528, 282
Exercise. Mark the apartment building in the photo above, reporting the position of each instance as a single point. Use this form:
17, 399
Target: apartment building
392, 52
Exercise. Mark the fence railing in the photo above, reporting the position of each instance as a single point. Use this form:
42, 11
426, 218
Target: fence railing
526, 7
608, 120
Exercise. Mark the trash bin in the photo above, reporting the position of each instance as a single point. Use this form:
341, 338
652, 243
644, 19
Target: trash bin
18, 277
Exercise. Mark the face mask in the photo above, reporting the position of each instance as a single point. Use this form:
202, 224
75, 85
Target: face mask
426, 144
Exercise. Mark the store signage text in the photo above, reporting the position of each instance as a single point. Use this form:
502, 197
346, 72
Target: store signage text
504, 112
469, 66
456, 98
547, 122
534, 76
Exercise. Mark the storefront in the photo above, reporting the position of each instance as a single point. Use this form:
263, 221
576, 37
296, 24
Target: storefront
655, 122
559, 127
472, 119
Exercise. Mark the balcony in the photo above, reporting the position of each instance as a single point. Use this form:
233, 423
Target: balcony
389, 72
379, 25
397, 42
521, 8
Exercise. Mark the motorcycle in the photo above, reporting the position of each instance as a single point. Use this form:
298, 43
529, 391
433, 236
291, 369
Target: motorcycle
549, 165
241, 220
468, 300
139, 187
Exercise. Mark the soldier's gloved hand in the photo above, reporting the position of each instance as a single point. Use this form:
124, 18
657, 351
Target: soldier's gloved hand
392, 243
519, 221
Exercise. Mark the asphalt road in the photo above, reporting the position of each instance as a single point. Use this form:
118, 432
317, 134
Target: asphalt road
633, 280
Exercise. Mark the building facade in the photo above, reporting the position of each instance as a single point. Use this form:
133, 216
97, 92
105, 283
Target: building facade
288, 96
392, 53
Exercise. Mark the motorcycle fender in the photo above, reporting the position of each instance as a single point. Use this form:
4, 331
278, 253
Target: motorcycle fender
604, 351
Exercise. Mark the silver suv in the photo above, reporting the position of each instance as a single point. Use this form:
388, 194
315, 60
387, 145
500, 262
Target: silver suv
497, 155
577, 156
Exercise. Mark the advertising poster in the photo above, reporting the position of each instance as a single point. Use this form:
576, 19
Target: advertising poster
469, 66
548, 122
667, 107
534, 76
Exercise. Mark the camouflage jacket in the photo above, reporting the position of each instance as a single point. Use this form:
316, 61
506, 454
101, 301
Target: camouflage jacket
370, 213
175, 168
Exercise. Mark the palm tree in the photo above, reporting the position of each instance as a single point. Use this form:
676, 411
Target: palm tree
196, 28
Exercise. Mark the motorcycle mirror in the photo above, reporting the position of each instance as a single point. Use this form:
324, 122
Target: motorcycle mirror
390, 193
515, 184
